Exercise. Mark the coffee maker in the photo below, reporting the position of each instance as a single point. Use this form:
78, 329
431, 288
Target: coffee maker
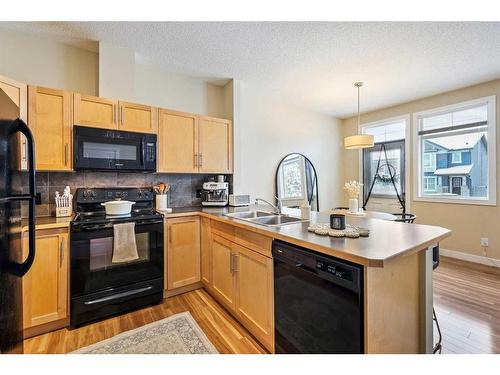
215, 193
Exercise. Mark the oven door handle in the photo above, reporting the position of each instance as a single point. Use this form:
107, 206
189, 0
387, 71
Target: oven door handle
118, 295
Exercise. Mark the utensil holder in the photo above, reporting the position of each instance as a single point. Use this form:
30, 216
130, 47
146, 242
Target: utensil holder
161, 202
64, 211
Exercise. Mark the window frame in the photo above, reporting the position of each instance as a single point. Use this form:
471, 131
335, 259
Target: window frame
491, 199
453, 153
434, 154
435, 178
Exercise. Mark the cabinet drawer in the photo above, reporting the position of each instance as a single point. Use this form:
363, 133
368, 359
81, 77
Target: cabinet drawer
257, 242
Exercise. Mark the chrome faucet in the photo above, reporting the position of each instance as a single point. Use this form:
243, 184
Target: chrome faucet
277, 209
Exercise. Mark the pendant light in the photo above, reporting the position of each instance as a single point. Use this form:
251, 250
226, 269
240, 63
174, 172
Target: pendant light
360, 140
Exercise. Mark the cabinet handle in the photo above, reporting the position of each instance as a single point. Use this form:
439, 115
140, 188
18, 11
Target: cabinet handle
61, 253
170, 234
66, 154
195, 160
201, 159
235, 262
231, 263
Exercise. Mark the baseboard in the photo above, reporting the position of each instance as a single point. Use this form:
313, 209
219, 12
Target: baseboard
470, 257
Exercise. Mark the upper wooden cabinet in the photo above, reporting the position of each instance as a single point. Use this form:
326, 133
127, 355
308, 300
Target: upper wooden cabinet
16, 94
189, 143
95, 112
215, 145
49, 117
45, 286
137, 118
183, 251
177, 142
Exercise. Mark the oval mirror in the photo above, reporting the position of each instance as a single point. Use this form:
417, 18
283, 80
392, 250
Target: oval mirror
296, 182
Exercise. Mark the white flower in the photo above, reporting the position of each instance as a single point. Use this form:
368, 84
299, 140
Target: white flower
353, 188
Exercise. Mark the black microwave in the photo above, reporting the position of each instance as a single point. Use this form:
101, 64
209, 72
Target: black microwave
116, 150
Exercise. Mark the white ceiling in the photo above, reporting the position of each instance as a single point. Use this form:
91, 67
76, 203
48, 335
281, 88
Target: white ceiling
311, 64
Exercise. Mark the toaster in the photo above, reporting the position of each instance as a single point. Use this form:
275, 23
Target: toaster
237, 200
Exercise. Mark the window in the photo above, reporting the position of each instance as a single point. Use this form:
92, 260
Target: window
429, 161
456, 157
455, 153
430, 184
392, 134
293, 177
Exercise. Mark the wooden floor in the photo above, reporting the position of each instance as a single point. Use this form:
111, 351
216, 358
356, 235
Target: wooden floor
467, 303
466, 299
221, 328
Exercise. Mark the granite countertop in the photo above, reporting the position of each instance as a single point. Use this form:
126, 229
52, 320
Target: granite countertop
387, 240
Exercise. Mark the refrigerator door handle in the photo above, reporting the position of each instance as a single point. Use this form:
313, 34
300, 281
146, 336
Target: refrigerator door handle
20, 269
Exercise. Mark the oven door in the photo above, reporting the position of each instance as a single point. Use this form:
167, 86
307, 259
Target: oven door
101, 149
91, 253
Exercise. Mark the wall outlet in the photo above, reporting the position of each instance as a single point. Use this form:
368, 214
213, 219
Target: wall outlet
485, 242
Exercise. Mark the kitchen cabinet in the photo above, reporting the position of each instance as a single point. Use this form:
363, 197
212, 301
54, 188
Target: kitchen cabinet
206, 253
254, 293
177, 142
16, 93
242, 281
223, 276
215, 145
189, 143
137, 118
95, 112
45, 286
183, 251
49, 118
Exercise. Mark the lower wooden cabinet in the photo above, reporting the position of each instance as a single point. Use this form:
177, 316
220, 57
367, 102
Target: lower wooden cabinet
45, 286
255, 293
182, 252
242, 281
223, 277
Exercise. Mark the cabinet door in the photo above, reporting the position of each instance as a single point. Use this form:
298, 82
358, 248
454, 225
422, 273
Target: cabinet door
95, 112
16, 94
49, 116
206, 250
137, 118
45, 286
183, 251
223, 278
254, 293
177, 142
215, 145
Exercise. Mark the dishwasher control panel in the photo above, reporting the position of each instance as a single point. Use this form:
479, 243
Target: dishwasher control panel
334, 270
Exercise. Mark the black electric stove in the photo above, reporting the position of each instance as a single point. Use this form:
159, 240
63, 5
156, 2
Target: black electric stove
99, 287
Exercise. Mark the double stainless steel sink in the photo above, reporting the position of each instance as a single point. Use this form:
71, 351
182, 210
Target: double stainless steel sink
269, 219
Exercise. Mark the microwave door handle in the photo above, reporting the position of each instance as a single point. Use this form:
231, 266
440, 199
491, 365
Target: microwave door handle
20, 269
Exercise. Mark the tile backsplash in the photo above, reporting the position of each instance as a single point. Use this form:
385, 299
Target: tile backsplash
182, 191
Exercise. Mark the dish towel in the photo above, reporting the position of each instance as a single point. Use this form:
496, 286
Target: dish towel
124, 245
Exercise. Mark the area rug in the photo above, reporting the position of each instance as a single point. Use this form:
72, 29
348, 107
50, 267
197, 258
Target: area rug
177, 334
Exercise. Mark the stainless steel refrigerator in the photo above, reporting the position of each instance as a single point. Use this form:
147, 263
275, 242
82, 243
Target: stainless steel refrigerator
17, 189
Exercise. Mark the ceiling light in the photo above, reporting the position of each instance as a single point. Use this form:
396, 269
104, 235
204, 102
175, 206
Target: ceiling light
361, 140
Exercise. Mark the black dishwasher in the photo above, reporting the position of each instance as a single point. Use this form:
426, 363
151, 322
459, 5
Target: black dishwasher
318, 302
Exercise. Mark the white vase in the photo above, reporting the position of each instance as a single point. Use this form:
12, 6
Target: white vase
353, 205
161, 202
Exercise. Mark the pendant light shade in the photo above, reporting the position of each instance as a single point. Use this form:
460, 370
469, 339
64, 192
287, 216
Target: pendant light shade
358, 141
361, 140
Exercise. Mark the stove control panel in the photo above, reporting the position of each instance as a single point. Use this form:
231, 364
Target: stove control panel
99, 195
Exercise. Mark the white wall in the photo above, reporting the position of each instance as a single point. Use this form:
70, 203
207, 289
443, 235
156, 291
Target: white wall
267, 128
40, 61
122, 77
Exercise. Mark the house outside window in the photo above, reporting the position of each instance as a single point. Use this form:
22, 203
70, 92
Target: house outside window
430, 183
456, 157
429, 161
455, 153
